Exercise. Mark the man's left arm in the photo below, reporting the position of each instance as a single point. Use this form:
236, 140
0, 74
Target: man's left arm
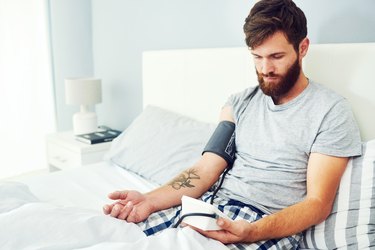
323, 178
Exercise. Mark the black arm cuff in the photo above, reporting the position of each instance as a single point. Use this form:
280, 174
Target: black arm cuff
222, 142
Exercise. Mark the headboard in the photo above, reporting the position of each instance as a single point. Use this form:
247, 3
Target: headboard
197, 82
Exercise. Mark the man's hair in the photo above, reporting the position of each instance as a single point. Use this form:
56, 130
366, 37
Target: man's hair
270, 16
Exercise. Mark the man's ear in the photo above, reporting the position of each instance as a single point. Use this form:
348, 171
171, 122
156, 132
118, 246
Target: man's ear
303, 47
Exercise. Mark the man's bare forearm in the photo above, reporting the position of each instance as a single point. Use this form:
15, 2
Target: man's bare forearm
289, 221
192, 182
185, 179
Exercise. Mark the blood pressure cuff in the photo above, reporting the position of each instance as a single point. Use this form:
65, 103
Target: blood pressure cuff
222, 142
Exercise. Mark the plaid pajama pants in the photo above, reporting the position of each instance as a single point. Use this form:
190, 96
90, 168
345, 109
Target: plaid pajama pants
234, 209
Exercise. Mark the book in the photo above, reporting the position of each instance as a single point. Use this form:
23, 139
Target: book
99, 136
194, 207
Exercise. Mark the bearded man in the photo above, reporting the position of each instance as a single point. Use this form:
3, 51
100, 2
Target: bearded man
293, 138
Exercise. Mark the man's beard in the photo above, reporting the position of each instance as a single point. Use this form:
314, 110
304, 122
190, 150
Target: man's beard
281, 87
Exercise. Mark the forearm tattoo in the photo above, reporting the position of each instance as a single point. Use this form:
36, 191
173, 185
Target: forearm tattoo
184, 179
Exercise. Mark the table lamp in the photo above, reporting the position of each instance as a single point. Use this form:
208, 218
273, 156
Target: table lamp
83, 92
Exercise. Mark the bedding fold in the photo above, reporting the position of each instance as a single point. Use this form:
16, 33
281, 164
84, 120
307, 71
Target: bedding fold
28, 223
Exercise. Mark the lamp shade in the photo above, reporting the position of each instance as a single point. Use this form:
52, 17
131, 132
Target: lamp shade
83, 91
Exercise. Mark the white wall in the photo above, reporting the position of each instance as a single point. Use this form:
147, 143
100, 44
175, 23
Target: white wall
26, 101
123, 29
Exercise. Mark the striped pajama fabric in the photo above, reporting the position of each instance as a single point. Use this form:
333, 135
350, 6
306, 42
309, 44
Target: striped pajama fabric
234, 209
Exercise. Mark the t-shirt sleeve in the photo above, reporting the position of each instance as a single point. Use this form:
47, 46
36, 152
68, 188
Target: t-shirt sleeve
338, 134
237, 101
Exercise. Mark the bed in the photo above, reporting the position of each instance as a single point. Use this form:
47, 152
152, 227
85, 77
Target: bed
183, 94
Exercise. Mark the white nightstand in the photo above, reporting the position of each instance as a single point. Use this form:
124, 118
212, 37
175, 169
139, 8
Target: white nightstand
64, 151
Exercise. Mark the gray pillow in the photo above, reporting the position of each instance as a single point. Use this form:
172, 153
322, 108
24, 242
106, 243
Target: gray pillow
159, 144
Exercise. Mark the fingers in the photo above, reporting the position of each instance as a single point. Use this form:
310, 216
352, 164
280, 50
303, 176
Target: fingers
118, 195
126, 210
125, 206
107, 209
133, 216
116, 210
224, 224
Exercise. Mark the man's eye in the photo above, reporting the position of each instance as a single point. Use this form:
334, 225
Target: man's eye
277, 56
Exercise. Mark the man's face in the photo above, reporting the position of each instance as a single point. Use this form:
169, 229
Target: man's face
277, 65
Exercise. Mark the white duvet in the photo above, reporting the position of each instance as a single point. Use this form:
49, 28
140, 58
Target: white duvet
27, 222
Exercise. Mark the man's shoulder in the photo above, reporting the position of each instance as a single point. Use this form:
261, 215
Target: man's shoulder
324, 95
245, 92
324, 90
241, 95
238, 101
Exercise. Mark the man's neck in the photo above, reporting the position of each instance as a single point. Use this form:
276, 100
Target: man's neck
297, 89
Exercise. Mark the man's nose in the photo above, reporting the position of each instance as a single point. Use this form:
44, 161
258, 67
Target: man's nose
267, 67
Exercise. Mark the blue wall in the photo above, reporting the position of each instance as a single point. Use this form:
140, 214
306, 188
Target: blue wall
339, 21
123, 29
72, 54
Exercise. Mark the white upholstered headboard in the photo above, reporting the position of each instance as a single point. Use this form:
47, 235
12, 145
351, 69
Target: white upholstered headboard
197, 82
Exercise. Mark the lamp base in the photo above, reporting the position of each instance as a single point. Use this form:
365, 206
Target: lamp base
84, 123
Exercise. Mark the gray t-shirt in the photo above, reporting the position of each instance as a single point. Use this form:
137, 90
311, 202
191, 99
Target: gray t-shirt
273, 144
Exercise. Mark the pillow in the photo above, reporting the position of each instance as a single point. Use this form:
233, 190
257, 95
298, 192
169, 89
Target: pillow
159, 144
351, 224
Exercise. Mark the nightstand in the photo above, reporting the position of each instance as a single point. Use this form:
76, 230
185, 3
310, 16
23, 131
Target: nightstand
64, 151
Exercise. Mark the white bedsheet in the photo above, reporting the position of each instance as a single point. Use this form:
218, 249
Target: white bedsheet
63, 210
85, 187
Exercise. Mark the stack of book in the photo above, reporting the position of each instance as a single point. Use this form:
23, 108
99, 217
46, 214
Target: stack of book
98, 137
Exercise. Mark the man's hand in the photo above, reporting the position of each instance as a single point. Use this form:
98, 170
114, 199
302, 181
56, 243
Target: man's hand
131, 206
232, 231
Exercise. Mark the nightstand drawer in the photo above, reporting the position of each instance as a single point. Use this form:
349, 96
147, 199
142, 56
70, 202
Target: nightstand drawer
61, 157
64, 151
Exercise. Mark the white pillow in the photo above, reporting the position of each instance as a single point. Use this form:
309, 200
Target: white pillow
159, 144
351, 224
